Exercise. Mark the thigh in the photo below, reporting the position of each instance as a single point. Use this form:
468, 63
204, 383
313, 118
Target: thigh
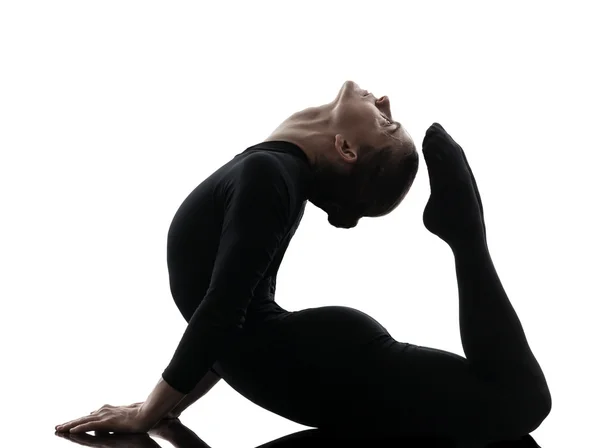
302, 364
338, 368
422, 391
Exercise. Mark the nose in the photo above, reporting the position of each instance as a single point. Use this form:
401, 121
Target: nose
384, 104
351, 84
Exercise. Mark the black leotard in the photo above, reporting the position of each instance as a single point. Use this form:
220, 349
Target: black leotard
334, 367
224, 249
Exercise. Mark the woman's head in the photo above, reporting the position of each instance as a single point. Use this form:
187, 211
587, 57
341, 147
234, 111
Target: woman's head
372, 164
374, 186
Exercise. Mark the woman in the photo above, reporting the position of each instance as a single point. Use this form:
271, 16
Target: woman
335, 367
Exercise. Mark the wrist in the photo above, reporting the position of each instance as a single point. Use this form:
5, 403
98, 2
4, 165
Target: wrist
144, 422
149, 417
160, 401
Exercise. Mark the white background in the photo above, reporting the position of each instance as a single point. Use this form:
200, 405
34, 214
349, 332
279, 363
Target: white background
112, 112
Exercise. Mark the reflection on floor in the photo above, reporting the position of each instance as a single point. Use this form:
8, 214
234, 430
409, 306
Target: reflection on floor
180, 436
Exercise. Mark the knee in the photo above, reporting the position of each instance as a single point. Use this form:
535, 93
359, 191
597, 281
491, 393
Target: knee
544, 406
533, 410
547, 402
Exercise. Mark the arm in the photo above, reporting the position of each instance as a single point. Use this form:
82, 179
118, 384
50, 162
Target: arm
164, 399
256, 221
205, 384
160, 401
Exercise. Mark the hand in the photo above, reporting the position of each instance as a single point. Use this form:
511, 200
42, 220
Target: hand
118, 419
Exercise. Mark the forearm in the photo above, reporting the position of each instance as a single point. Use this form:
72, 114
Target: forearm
203, 386
158, 404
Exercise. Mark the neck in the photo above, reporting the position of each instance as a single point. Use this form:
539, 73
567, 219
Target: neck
310, 129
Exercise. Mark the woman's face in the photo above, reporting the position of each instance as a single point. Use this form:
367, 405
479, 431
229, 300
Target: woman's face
363, 119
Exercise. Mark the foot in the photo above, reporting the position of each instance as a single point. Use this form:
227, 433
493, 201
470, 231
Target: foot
454, 212
474, 187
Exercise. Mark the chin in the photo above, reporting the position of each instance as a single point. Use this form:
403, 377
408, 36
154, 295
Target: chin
342, 222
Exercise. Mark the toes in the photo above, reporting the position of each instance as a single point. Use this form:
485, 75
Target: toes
435, 136
436, 148
445, 159
437, 142
435, 127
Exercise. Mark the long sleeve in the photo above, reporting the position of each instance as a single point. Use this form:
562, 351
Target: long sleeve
256, 222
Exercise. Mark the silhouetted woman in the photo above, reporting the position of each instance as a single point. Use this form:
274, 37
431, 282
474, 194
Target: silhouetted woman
335, 367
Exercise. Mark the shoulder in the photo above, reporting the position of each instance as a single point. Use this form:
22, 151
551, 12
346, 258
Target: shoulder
263, 171
261, 163
258, 179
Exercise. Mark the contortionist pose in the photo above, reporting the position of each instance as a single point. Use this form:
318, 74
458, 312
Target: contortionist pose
335, 367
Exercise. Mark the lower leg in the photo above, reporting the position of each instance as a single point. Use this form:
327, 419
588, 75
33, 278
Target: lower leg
492, 335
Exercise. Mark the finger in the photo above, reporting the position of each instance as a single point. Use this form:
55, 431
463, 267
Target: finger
102, 408
96, 425
62, 426
67, 426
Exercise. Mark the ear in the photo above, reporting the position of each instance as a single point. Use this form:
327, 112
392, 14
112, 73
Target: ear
345, 149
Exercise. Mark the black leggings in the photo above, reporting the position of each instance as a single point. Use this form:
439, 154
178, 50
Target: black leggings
337, 368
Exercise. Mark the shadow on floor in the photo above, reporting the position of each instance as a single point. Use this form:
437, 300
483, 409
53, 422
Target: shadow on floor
180, 436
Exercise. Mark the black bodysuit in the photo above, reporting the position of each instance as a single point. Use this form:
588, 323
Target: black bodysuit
224, 249
333, 367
